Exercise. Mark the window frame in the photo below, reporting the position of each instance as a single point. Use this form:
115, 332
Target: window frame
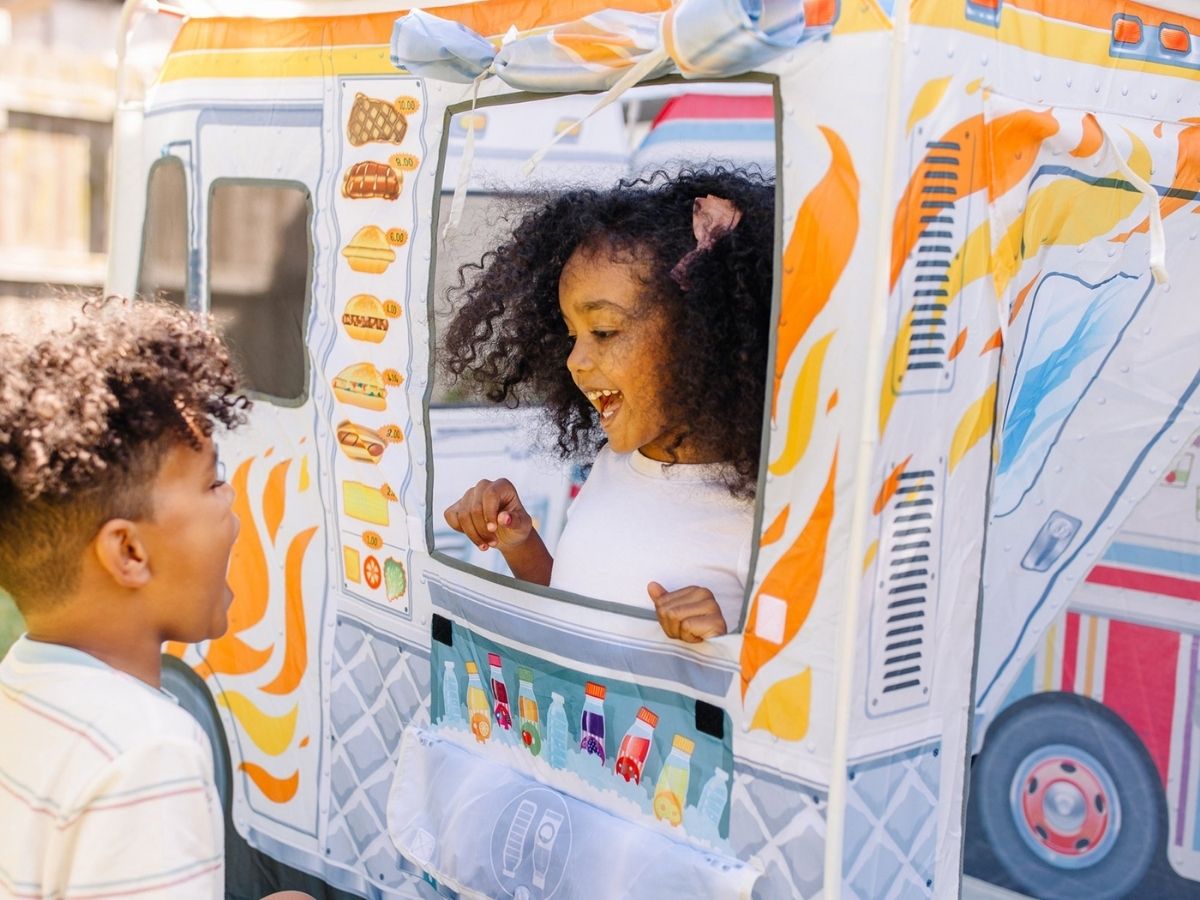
188, 222
206, 300
511, 581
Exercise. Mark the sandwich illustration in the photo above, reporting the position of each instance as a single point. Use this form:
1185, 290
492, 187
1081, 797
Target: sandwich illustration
365, 319
365, 503
360, 443
365, 180
350, 562
369, 251
374, 120
361, 385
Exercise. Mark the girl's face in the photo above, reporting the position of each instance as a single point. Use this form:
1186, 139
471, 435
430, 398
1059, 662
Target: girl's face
617, 355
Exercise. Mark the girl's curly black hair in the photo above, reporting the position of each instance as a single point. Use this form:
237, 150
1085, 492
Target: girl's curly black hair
508, 339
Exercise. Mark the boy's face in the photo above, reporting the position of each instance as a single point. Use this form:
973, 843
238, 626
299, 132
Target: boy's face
617, 351
189, 537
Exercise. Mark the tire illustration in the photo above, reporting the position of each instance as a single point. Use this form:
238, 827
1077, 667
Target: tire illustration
1068, 799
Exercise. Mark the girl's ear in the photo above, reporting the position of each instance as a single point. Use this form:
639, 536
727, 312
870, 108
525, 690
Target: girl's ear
121, 553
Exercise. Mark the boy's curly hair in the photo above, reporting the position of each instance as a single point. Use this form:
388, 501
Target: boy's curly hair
508, 339
86, 415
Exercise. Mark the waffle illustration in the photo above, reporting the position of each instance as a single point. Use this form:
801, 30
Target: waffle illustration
372, 179
374, 120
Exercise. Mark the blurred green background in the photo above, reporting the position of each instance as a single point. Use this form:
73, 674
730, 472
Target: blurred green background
11, 624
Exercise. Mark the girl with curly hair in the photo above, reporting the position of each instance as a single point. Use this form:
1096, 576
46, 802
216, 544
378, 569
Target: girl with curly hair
639, 318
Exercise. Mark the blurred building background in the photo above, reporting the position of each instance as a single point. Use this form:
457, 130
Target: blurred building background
57, 95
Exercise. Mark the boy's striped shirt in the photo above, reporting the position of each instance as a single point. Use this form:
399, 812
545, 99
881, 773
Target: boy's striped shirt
106, 785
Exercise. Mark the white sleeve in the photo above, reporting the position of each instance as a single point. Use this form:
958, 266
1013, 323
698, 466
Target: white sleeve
148, 825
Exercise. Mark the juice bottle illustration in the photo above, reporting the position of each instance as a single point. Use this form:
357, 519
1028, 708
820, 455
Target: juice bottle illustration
527, 710
714, 797
635, 746
477, 705
670, 794
451, 712
557, 735
500, 693
591, 723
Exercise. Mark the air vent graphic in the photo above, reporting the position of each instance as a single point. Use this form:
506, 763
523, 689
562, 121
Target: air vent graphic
905, 602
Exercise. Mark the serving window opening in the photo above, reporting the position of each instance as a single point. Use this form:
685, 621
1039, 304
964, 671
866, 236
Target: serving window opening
579, 408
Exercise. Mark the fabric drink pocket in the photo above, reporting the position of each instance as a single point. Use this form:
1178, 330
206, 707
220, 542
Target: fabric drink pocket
487, 830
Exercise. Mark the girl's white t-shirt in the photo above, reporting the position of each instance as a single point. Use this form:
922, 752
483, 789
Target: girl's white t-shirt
636, 520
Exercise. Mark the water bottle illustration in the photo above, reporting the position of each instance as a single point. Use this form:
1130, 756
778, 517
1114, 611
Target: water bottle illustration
500, 693
558, 738
635, 746
591, 723
714, 797
478, 708
527, 710
670, 794
451, 711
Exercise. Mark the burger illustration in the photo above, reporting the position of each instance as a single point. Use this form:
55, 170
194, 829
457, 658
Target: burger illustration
364, 318
361, 385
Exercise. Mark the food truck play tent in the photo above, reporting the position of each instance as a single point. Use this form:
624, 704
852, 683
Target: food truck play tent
977, 519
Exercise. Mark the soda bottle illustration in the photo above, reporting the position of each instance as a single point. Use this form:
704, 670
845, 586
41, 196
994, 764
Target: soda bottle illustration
591, 723
478, 707
451, 712
557, 735
500, 693
635, 746
527, 710
714, 797
670, 794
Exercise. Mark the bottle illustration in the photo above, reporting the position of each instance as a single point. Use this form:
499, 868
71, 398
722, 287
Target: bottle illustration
591, 723
478, 707
451, 713
527, 710
557, 736
714, 797
670, 794
635, 746
500, 693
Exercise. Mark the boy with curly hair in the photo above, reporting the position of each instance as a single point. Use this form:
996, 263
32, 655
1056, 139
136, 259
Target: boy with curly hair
115, 536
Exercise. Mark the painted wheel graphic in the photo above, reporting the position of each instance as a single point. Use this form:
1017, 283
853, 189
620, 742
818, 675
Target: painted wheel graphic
1064, 805
1068, 799
372, 573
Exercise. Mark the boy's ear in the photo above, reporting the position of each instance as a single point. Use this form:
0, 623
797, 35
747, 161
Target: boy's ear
121, 552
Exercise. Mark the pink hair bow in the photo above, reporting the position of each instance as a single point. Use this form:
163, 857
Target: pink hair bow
711, 217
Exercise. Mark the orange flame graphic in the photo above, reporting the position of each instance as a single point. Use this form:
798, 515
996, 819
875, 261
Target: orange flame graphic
250, 577
794, 579
775, 530
1013, 140
816, 255
957, 346
277, 790
274, 498
891, 484
1187, 176
295, 658
1022, 295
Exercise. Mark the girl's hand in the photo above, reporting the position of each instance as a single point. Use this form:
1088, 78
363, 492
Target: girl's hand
491, 515
690, 614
